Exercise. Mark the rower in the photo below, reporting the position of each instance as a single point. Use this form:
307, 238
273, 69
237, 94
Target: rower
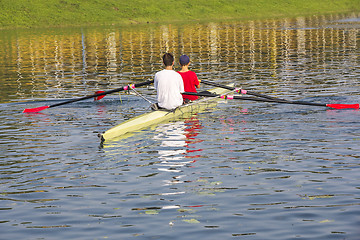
191, 81
169, 85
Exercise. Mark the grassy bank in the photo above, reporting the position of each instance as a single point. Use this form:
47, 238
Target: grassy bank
40, 13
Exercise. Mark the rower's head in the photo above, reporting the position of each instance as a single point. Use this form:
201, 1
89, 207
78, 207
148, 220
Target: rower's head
184, 60
168, 59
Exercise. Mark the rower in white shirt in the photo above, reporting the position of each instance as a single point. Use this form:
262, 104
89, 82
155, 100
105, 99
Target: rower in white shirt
169, 85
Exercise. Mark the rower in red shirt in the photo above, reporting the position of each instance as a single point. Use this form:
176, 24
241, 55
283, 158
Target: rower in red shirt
190, 79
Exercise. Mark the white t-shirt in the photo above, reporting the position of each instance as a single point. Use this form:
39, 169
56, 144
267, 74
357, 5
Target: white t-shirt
169, 86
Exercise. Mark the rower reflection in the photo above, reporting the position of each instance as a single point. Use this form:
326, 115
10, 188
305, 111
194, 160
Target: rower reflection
175, 148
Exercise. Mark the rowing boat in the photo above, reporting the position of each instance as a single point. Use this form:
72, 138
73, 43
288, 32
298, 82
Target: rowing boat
154, 117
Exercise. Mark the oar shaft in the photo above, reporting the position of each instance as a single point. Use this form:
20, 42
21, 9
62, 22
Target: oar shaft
217, 85
335, 106
241, 90
254, 99
32, 110
102, 93
277, 101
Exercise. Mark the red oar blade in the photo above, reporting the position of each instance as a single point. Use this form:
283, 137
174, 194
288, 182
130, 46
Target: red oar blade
99, 97
33, 110
343, 106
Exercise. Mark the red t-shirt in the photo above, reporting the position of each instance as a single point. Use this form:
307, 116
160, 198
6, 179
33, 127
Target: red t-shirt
190, 80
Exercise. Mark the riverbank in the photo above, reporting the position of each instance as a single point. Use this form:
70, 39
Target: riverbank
54, 13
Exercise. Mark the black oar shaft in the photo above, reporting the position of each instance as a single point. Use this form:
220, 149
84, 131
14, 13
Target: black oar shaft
247, 91
101, 94
279, 101
217, 85
257, 99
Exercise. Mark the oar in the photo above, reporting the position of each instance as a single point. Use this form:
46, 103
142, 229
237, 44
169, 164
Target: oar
96, 95
241, 91
335, 106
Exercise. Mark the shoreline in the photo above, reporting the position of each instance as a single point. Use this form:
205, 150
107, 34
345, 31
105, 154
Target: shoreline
71, 13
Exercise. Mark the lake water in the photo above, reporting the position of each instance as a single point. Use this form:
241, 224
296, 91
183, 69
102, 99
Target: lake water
243, 170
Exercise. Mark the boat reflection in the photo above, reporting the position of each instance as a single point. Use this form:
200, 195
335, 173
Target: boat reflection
176, 144
175, 150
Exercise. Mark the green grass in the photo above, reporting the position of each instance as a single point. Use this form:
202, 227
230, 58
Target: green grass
50, 13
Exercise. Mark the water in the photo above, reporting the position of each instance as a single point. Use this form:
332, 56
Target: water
244, 170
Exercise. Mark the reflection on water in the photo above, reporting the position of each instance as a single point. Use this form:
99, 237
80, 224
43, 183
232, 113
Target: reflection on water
171, 149
176, 139
37, 64
242, 170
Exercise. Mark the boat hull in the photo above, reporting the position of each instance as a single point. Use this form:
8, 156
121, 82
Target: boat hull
154, 117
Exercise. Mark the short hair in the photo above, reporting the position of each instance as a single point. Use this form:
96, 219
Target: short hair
168, 59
